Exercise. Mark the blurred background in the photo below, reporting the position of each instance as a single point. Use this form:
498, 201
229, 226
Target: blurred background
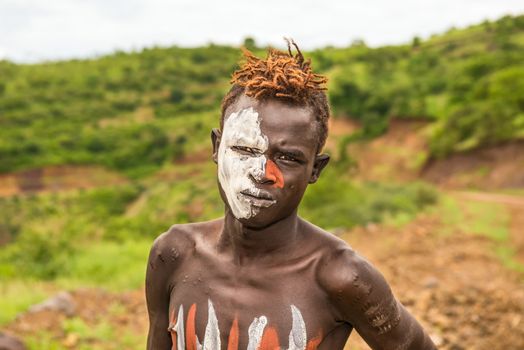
105, 115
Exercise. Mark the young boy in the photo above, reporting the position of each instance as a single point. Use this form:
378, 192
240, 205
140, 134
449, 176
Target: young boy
261, 277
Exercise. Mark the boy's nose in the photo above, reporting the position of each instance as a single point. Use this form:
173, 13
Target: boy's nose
273, 174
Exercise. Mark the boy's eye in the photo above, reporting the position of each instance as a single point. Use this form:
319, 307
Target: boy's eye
245, 150
287, 158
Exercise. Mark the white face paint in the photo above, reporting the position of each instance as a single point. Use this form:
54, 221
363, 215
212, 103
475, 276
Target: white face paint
236, 168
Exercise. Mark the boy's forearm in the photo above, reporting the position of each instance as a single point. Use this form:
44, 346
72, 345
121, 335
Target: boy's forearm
415, 337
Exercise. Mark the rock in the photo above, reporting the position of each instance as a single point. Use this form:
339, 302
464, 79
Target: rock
430, 282
62, 302
8, 342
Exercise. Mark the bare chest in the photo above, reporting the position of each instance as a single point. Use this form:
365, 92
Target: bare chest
215, 306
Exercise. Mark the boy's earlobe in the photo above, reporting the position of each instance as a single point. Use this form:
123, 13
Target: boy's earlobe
215, 140
321, 161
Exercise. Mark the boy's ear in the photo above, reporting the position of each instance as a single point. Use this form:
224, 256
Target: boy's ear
321, 161
215, 140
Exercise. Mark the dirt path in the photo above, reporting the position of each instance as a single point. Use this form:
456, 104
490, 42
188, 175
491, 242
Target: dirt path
511, 200
515, 206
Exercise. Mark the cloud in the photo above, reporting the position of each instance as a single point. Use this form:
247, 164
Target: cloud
34, 30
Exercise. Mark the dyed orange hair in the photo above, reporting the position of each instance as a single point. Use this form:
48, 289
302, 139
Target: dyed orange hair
282, 76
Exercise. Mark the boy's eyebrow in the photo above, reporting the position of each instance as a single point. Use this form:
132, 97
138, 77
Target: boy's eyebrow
246, 140
293, 152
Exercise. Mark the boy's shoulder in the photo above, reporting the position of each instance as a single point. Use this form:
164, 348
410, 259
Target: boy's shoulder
172, 246
360, 296
347, 277
335, 253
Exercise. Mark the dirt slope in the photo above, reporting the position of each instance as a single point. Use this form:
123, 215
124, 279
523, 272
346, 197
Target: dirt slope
401, 154
57, 178
494, 167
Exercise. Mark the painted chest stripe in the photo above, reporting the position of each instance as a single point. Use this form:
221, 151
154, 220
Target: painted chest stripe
256, 329
260, 337
212, 336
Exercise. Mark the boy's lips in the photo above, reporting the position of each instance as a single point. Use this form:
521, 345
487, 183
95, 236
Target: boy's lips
260, 198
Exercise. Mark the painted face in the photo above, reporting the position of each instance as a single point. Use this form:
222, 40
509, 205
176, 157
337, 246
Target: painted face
241, 163
266, 159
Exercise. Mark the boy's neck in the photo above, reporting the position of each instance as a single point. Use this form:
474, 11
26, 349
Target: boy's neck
247, 244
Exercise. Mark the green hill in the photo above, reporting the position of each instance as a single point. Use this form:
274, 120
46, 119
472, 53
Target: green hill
470, 82
133, 112
129, 112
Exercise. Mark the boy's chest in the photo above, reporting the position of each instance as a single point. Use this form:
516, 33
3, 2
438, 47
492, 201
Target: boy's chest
218, 308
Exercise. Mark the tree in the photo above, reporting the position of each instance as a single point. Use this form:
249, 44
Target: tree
250, 43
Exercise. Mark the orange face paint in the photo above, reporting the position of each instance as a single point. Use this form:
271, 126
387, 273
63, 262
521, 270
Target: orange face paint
232, 343
269, 340
273, 173
190, 329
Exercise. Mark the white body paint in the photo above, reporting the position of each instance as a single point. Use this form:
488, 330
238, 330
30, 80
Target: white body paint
297, 335
235, 169
179, 328
212, 335
256, 329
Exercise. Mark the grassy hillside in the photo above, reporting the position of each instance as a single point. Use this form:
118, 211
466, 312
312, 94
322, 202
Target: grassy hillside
133, 112
470, 82
128, 112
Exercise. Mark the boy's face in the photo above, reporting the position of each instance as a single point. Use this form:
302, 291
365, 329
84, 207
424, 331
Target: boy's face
266, 157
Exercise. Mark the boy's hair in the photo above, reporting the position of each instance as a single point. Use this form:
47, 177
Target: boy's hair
282, 76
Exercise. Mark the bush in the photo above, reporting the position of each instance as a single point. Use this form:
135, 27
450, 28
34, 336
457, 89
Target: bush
335, 201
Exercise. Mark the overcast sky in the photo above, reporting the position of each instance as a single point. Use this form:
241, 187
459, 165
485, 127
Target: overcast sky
36, 30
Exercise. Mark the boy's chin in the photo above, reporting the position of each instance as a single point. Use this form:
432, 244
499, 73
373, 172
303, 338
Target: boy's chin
260, 220
255, 222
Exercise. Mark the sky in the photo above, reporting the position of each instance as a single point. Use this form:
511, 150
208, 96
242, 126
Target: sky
39, 30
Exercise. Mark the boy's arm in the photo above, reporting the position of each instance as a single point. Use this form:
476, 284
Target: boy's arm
364, 299
157, 298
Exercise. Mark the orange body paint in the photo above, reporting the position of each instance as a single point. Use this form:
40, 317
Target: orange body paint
190, 329
232, 343
172, 331
314, 343
273, 173
269, 340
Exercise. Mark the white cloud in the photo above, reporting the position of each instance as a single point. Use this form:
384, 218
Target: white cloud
33, 30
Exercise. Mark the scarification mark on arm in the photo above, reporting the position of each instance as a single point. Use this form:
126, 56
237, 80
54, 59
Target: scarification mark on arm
174, 254
384, 315
363, 290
